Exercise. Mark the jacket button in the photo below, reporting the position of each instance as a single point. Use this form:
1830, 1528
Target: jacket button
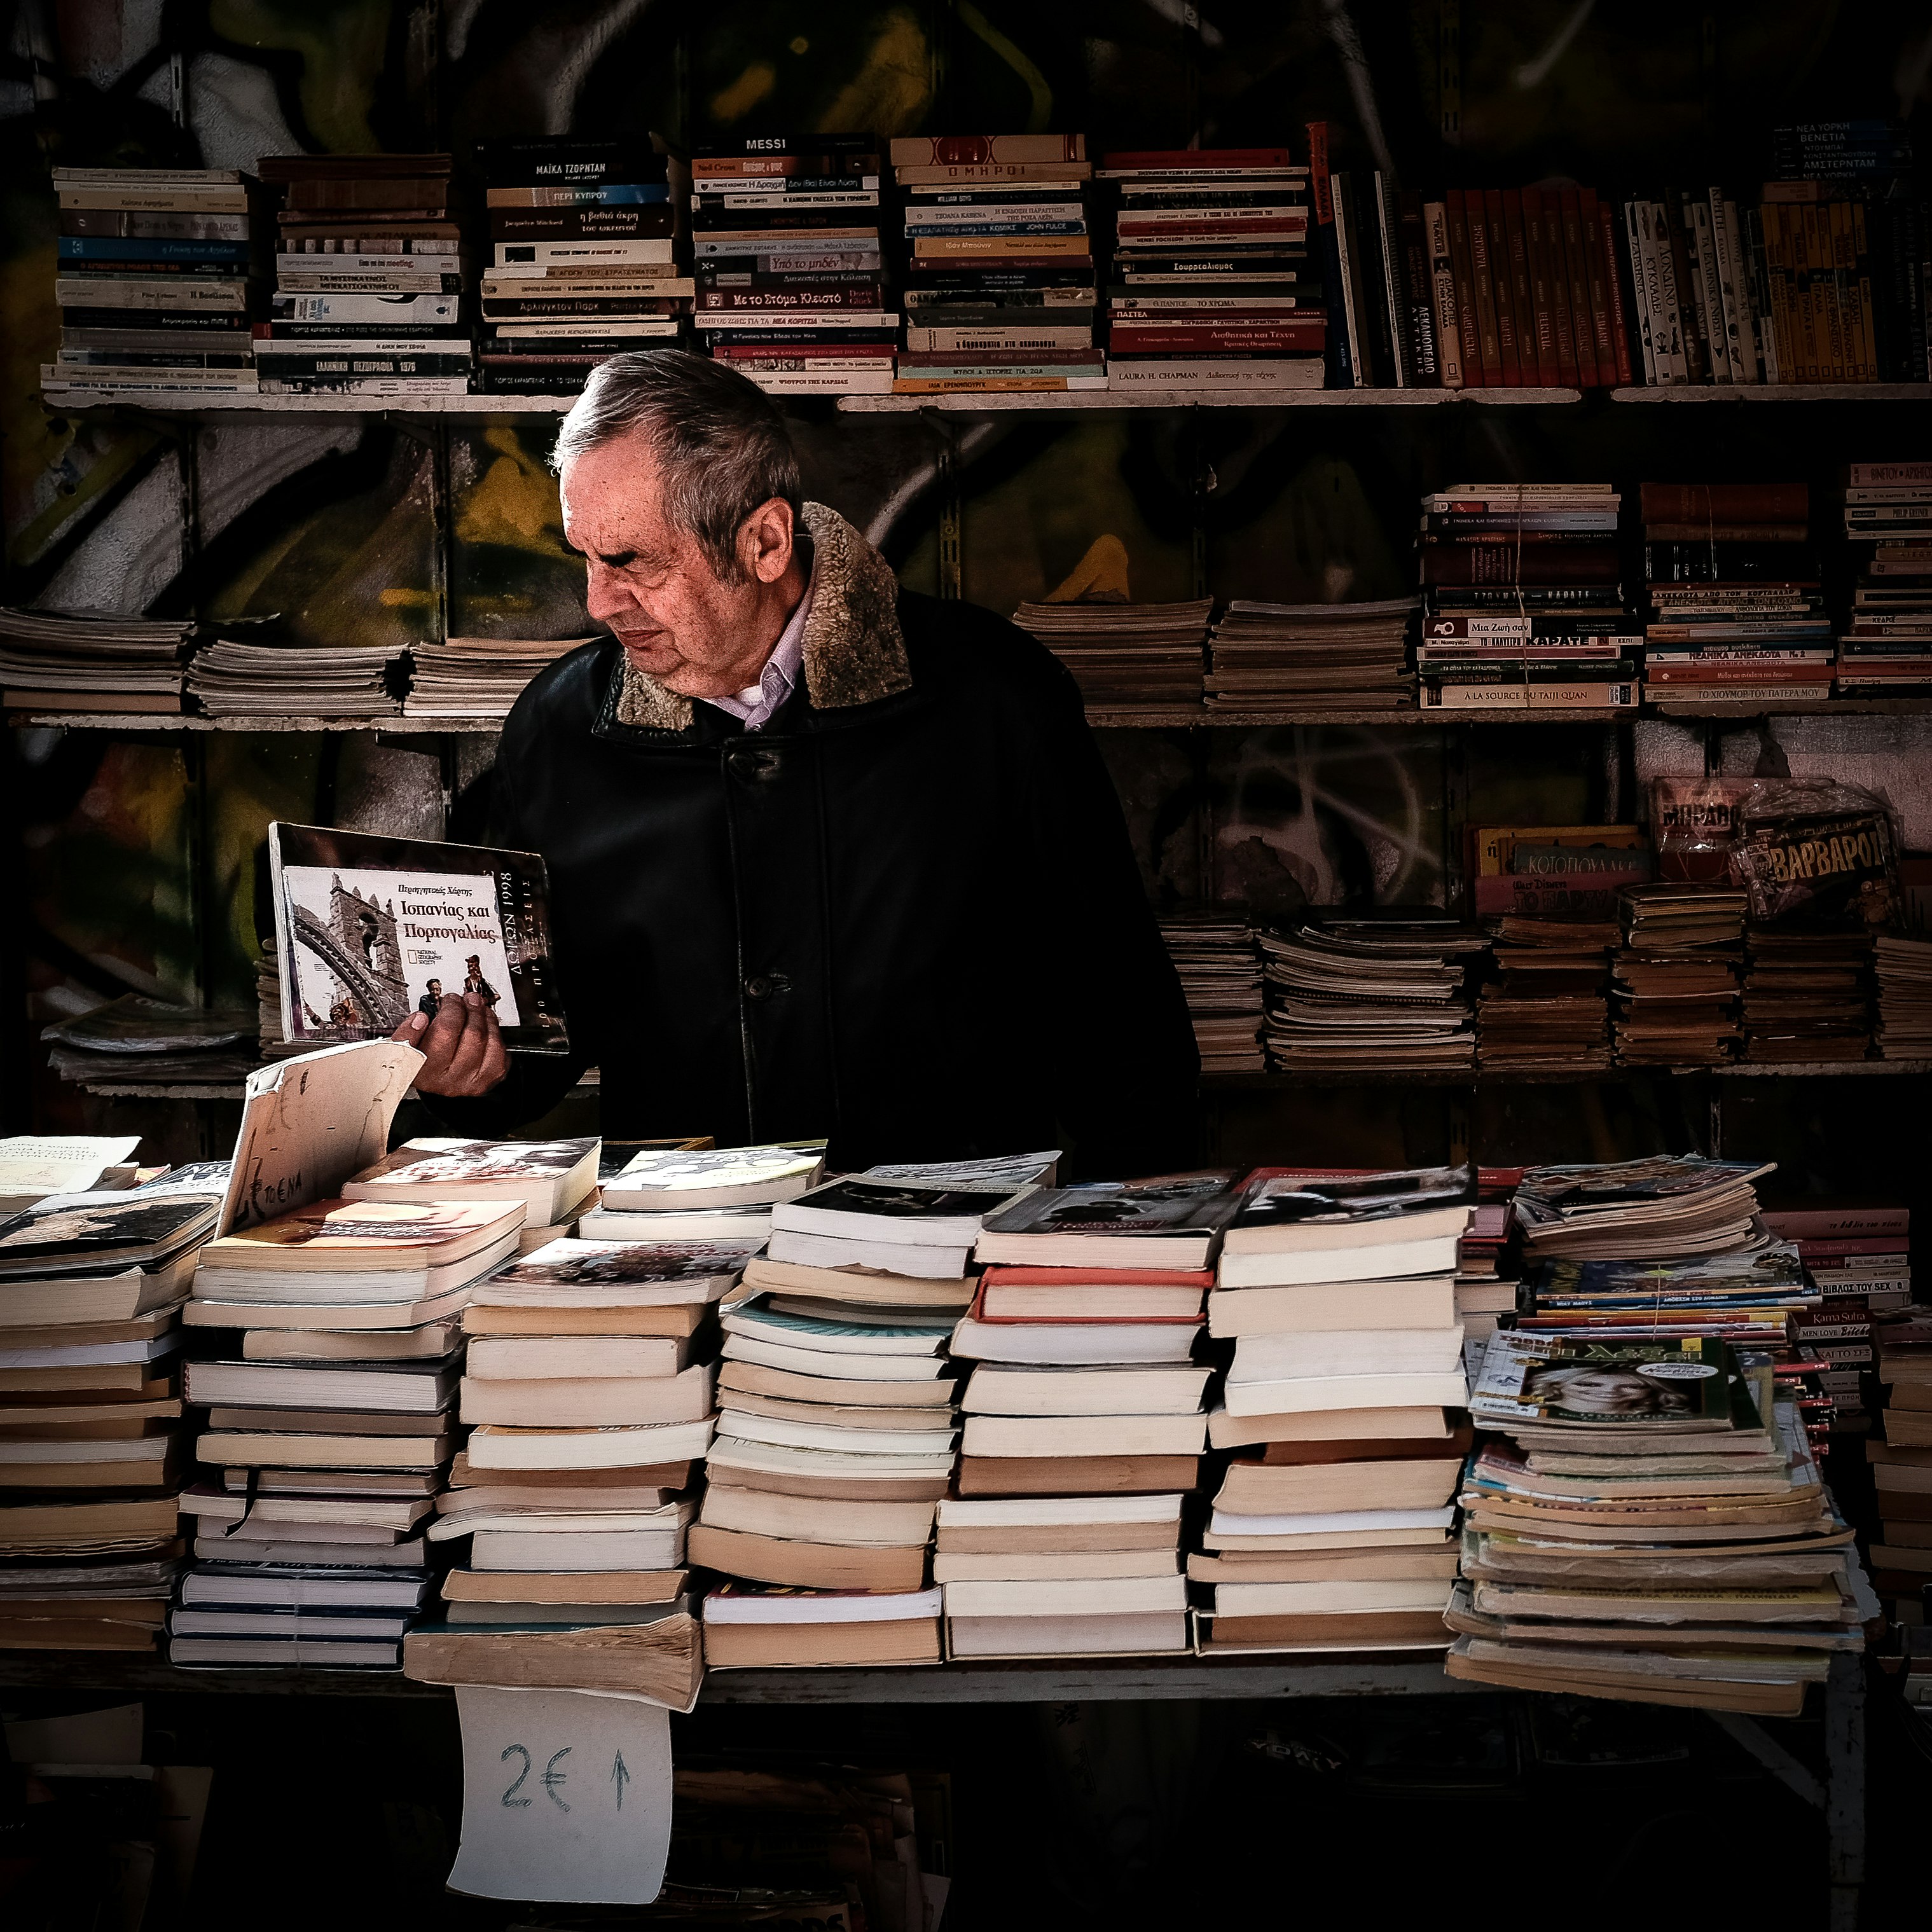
757, 987
753, 767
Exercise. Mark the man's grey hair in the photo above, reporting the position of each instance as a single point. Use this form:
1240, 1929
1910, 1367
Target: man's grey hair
720, 444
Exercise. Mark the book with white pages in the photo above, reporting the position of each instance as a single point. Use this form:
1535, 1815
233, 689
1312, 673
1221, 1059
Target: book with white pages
857, 1286
591, 1402
326, 1345
1067, 1597
1139, 1388
747, 1453
32, 1166
1075, 1345
573, 1549
1024, 1566
91, 1355
333, 1317
1347, 1352
854, 1368
819, 1606
305, 1513
1085, 1436
1292, 1395
498, 1447
1142, 1634
1432, 1522
90, 1235
942, 1206
913, 1336
120, 1295
1435, 1255
1411, 1301
1168, 1221
305, 1586
1315, 1210
818, 1250
730, 1227
804, 1435
1421, 1423
1321, 1599
408, 1388
559, 1522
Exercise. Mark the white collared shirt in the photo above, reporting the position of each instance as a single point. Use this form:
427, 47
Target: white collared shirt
757, 704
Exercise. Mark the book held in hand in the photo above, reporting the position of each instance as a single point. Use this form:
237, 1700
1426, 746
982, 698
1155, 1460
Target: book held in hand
370, 929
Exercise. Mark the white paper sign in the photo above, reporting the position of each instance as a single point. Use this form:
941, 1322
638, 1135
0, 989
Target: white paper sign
566, 1796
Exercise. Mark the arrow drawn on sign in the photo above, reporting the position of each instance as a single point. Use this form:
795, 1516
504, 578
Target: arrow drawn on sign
620, 1772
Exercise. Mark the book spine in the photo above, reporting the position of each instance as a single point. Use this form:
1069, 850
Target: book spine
1564, 322
1508, 329
1577, 271
574, 194
1418, 291
1468, 326
1859, 218
1482, 272
1710, 290
1542, 301
1694, 330
1596, 265
175, 226
1349, 370
1616, 256
1402, 356
1645, 320
1442, 295
1515, 259
1672, 356
1734, 288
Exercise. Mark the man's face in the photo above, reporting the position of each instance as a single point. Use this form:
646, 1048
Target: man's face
651, 583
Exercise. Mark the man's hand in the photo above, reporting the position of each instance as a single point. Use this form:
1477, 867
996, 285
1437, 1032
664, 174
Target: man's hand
464, 1045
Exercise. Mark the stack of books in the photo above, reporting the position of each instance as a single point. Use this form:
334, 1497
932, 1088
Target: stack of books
1807, 995
1311, 657
1001, 283
1084, 1391
1127, 657
479, 677
1901, 1465
837, 1427
1372, 995
1211, 289
369, 270
1654, 1528
1338, 1291
1702, 269
1548, 1008
1736, 616
331, 1415
1903, 969
155, 282
1678, 974
589, 1379
691, 1191
1215, 953
1857, 1259
1522, 600
91, 1455
1887, 645
791, 282
228, 678
92, 661
1484, 1293
584, 252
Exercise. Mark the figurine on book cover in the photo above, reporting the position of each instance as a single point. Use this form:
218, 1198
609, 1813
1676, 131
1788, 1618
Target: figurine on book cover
370, 928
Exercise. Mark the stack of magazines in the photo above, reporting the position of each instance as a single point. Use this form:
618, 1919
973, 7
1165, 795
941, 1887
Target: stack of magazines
1649, 1524
1678, 972
1125, 657
136, 1042
1311, 657
241, 680
1547, 1010
92, 661
1377, 996
479, 677
1216, 955
1904, 996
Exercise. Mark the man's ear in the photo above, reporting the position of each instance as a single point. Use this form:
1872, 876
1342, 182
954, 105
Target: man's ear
765, 545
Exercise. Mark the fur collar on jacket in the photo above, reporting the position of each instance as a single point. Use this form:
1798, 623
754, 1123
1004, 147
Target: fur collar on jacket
854, 650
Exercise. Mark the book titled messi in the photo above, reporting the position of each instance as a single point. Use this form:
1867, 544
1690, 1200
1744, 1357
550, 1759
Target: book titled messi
371, 929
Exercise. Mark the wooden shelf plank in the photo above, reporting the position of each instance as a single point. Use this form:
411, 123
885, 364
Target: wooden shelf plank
1778, 392
1496, 1076
181, 720
992, 403
244, 404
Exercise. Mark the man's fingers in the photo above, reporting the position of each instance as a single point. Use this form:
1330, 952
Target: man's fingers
467, 1057
411, 1031
496, 1060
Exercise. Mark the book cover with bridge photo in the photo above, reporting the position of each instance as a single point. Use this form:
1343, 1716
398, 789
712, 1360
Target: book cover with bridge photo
370, 929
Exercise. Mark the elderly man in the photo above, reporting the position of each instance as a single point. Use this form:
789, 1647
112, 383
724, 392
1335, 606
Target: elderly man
826, 857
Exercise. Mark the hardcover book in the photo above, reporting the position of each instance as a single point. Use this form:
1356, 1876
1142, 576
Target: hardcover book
371, 929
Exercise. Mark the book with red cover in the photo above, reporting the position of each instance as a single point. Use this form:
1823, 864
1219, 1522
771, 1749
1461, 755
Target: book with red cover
1577, 273
1483, 284
1614, 261
1462, 274
1508, 329
1516, 260
1596, 266
1542, 295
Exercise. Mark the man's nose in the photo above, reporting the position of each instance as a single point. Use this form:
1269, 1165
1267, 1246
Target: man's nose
605, 595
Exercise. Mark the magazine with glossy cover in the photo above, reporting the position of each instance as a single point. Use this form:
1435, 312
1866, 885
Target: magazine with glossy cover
1278, 1197
1534, 1378
567, 1263
371, 929
1772, 1268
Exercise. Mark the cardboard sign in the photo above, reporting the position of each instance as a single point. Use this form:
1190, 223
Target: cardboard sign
566, 1796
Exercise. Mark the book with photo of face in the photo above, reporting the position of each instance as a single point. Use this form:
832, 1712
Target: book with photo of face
548, 1176
102, 1233
1670, 1385
371, 929
568, 1274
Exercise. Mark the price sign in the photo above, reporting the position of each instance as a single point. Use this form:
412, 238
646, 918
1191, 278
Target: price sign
566, 1796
